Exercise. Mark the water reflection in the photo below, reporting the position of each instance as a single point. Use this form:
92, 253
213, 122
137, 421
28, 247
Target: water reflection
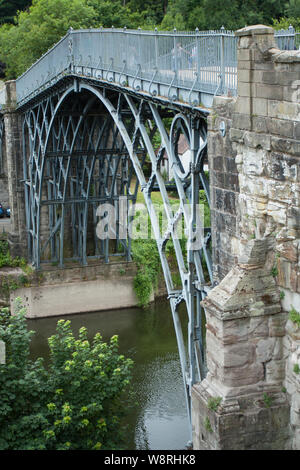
147, 336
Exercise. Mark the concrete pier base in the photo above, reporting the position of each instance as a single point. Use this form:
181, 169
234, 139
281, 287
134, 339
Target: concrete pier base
78, 290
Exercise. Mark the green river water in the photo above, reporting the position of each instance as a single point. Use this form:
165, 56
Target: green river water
159, 421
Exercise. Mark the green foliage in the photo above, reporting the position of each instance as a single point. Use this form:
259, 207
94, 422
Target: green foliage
172, 21
293, 9
176, 279
213, 403
6, 258
203, 201
74, 403
213, 14
267, 399
109, 13
295, 317
8, 9
38, 29
145, 254
296, 369
207, 425
274, 271
284, 23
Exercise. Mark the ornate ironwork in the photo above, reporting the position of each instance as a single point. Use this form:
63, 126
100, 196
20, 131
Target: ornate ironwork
92, 123
86, 146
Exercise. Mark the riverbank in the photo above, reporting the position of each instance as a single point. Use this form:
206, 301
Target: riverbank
74, 289
158, 419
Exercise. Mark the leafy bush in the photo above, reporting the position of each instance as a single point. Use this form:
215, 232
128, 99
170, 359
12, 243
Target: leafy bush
295, 316
213, 403
38, 29
145, 254
74, 403
6, 258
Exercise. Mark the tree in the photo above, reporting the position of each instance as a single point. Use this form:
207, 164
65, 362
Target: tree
232, 14
285, 23
151, 10
110, 13
184, 15
74, 403
38, 29
9, 8
293, 9
173, 20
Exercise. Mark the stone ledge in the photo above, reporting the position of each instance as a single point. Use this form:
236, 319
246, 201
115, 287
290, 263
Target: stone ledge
254, 30
240, 423
285, 56
243, 293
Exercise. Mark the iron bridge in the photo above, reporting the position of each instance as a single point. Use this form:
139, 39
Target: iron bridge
102, 111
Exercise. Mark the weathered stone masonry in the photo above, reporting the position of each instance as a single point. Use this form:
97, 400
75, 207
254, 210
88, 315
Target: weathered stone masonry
251, 396
13, 140
4, 196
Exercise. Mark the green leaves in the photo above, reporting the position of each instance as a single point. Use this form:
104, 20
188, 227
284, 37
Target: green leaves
8, 9
76, 403
6, 258
294, 316
293, 8
145, 254
38, 29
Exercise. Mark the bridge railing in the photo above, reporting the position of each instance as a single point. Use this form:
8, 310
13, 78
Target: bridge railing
202, 61
287, 39
2, 97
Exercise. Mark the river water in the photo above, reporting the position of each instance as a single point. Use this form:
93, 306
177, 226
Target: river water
159, 420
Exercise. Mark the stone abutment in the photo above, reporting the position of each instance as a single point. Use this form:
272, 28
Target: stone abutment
250, 398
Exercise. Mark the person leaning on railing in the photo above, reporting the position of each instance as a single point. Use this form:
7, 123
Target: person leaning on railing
179, 55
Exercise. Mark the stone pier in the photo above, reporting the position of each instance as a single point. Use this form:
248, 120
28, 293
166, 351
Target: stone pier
14, 161
250, 398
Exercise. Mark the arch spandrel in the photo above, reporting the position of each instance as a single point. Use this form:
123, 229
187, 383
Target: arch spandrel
85, 146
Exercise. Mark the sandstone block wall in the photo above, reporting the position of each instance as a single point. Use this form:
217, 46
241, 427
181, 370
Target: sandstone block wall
13, 154
224, 186
4, 196
253, 349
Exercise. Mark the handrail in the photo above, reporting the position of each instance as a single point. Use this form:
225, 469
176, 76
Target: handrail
211, 56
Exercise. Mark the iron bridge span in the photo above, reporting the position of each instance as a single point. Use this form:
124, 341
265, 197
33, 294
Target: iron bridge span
101, 112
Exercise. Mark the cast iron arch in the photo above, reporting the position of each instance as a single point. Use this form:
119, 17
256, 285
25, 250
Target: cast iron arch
137, 140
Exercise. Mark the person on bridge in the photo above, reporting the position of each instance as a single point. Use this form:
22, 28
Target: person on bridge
179, 55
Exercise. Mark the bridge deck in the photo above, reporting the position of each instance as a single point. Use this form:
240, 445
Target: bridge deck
187, 67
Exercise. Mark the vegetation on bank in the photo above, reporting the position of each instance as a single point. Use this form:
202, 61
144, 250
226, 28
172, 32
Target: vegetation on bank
7, 260
30, 28
294, 316
145, 255
145, 252
10, 282
76, 402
